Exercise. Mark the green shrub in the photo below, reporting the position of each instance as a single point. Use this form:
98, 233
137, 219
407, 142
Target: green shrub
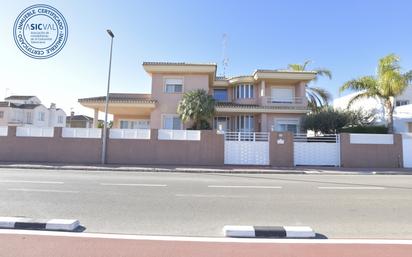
366, 129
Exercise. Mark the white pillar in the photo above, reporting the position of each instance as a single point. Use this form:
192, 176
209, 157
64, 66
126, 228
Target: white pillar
95, 118
262, 88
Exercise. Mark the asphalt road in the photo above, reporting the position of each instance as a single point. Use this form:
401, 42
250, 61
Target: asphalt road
337, 206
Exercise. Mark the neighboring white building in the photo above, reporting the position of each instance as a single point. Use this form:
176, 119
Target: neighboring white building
402, 113
28, 111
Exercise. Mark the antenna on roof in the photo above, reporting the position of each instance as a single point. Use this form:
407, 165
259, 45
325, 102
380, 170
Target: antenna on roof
225, 60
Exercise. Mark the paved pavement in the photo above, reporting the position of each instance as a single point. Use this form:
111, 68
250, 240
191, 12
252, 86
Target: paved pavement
186, 204
211, 169
89, 245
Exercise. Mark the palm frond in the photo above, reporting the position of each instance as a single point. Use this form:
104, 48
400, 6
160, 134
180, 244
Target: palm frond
368, 83
359, 96
295, 67
324, 72
305, 64
323, 95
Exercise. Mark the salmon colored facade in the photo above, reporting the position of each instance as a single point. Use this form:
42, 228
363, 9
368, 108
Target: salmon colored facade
266, 100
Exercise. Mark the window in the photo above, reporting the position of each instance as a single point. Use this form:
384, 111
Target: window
245, 123
286, 125
243, 91
282, 94
134, 124
174, 86
1, 114
41, 116
220, 95
60, 119
172, 122
29, 118
402, 102
221, 123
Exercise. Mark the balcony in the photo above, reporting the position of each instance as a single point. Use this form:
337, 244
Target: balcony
280, 102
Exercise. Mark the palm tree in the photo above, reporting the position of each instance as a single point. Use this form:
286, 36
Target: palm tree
317, 97
197, 106
385, 85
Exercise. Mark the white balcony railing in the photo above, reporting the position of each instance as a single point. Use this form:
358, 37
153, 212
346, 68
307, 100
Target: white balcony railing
169, 134
34, 132
276, 101
130, 133
82, 132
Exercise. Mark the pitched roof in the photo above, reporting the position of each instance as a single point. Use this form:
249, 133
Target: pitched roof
18, 106
120, 97
26, 106
79, 118
19, 97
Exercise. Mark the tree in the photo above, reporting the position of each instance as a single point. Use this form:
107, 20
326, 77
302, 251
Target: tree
317, 96
100, 124
331, 121
385, 85
198, 107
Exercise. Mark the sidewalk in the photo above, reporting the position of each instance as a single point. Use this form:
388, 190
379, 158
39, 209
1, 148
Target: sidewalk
211, 169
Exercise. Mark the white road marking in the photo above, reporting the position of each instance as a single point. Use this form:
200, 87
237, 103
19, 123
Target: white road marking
135, 185
205, 239
31, 181
42, 190
209, 196
255, 187
352, 188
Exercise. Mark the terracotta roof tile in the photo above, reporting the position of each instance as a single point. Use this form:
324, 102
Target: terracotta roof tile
118, 97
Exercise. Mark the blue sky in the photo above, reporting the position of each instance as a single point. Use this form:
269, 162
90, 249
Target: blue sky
348, 37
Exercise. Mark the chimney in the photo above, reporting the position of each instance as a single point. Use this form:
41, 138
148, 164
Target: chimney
52, 106
72, 113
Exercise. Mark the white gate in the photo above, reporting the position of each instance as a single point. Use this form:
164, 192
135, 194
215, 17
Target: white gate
247, 148
316, 150
407, 150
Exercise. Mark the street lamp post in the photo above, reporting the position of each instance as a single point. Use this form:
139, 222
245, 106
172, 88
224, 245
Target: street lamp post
106, 107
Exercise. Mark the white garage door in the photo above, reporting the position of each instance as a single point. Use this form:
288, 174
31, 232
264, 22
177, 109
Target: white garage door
407, 150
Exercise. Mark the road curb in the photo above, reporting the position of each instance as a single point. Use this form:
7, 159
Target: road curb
269, 231
39, 224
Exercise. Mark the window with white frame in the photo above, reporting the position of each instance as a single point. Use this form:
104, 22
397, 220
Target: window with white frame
60, 119
1, 114
173, 86
243, 91
134, 124
245, 123
291, 125
171, 121
41, 116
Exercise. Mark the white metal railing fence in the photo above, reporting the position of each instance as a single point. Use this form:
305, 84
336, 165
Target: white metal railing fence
170, 134
333, 138
129, 133
4, 130
34, 132
82, 132
247, 136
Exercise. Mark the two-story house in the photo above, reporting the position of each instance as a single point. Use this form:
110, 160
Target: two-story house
19, 110
262, 101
